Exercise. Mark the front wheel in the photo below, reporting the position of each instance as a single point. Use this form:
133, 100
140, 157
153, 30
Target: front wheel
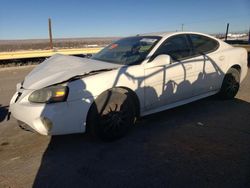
112, 116
230, 85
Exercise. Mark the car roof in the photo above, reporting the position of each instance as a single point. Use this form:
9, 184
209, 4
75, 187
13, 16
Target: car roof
160, 34
166, 34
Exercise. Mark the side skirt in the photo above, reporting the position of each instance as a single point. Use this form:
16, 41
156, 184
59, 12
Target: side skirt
179, 103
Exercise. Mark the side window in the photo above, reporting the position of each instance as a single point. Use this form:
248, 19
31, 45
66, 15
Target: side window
177, 47
202, 44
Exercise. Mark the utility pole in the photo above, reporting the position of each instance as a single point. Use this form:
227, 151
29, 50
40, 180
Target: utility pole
227, 31
182, 27
249, 36
50, 35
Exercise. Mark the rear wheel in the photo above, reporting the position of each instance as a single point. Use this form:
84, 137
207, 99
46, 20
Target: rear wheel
231, 84
112, 116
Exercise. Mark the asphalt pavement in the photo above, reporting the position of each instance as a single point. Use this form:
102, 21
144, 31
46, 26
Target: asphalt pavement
202, 144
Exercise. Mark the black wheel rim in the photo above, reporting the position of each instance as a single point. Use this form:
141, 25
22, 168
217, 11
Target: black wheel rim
232, 85
115, 121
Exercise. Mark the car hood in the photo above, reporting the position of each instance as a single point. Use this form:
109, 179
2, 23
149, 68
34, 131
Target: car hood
59, 68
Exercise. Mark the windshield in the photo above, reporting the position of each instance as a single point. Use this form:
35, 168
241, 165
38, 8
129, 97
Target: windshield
127, 51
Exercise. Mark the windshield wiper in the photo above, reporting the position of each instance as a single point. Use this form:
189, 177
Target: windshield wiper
86, 74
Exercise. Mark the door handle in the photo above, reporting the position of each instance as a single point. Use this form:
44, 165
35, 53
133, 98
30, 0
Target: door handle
221, 58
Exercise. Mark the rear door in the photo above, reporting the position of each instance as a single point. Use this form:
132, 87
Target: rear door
207, 63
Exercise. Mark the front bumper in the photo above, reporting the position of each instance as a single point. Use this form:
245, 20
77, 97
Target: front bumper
50, 119
25, 127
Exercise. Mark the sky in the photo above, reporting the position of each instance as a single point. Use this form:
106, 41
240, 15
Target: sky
101, 18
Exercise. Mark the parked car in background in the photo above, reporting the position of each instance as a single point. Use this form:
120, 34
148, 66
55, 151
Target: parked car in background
132, 77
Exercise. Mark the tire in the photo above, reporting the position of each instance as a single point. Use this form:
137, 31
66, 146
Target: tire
112, 115
230, 85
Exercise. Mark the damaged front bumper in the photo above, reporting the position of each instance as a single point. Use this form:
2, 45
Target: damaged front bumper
49, 119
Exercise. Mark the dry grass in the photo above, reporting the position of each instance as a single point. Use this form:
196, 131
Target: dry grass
43, 44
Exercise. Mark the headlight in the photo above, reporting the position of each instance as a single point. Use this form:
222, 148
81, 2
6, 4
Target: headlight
50, 94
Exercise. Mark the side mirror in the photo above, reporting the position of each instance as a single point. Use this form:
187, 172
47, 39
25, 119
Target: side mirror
160, 60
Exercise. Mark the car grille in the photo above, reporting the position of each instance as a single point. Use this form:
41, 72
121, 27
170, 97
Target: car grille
18, 96
25, 127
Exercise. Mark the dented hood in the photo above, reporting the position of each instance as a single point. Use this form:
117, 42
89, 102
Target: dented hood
60, 68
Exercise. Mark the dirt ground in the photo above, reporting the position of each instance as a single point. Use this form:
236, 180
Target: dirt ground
202, 144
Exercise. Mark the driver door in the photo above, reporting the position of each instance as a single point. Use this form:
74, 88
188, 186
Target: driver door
166, 84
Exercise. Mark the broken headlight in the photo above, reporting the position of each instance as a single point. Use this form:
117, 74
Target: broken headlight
49, 95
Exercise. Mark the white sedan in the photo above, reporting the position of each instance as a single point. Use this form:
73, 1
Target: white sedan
130, 78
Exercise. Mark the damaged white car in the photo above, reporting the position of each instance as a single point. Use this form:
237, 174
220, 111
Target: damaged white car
132, 77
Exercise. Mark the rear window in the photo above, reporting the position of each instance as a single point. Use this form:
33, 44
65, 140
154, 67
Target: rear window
202, 44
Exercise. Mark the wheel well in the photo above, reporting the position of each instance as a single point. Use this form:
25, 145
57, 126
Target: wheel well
121, 90
134, 97
237, 67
